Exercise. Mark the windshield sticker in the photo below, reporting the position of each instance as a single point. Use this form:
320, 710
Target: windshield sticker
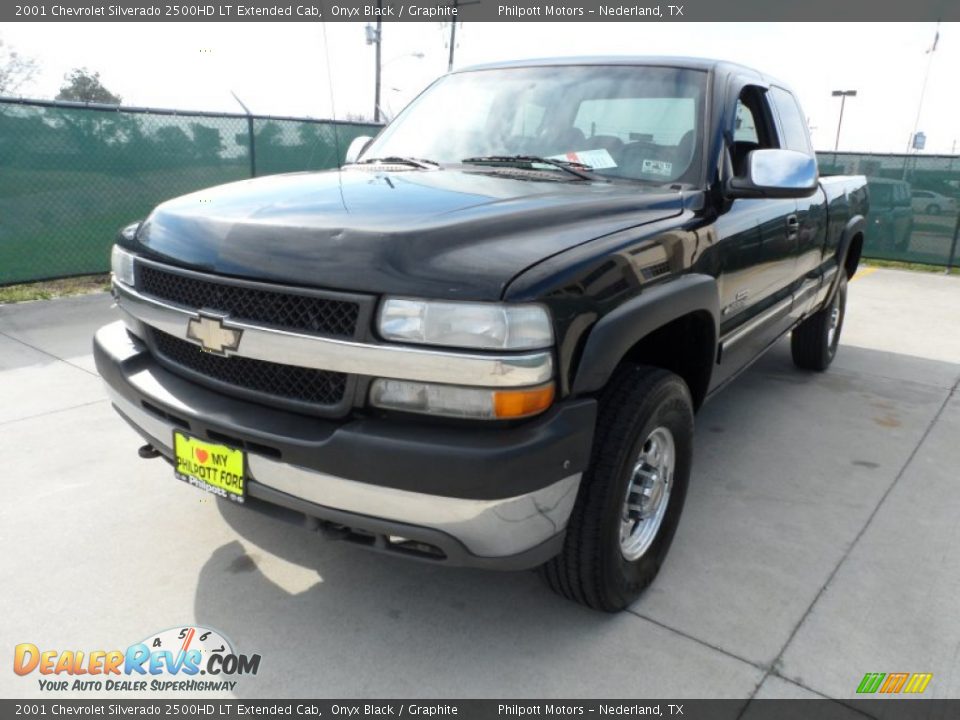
597, 159
657, 167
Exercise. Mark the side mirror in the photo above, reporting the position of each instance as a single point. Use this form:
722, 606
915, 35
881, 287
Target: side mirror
776, 174
356, 149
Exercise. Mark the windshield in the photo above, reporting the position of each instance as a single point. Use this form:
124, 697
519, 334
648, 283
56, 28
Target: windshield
638, 122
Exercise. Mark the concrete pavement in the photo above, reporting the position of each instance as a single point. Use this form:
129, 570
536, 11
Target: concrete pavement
818, 542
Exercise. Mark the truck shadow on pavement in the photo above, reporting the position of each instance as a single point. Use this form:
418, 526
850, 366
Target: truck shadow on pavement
332, 619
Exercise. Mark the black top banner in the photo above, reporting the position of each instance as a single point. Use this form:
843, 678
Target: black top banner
485, 10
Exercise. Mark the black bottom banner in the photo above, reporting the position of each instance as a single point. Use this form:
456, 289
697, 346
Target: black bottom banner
489, 709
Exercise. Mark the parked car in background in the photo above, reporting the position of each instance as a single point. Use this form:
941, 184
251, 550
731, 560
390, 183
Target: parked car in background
483, 340
928, 202
891, 215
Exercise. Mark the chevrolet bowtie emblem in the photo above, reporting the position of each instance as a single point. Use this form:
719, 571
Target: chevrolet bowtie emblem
212, 335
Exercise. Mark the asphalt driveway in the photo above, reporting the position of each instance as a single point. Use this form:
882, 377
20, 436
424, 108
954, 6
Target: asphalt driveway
820, 540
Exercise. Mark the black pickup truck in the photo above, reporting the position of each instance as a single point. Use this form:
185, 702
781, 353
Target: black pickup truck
482, 341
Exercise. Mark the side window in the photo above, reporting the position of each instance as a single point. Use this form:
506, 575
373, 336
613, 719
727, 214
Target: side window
792, 123
745, 129
753, 128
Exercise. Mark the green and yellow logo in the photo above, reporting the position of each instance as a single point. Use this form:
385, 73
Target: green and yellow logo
892, 683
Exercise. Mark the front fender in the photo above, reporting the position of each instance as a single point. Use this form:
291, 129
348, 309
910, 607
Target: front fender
618, 331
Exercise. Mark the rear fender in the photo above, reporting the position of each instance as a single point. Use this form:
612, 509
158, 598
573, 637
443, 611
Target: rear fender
856, 225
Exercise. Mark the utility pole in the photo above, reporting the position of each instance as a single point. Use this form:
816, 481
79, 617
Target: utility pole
376, 97
374, 36
453, 36
456, 5
843, 95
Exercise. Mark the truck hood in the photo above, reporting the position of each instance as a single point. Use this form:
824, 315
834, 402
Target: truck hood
450, 233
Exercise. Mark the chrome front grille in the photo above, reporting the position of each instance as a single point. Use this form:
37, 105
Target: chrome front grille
274, 382
279, 307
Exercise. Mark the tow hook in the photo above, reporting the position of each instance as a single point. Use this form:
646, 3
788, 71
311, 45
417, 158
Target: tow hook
148, 451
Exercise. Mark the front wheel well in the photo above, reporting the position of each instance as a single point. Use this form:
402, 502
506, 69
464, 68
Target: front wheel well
685, 346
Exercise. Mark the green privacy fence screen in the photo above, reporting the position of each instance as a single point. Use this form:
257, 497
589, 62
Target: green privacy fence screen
72, 174
914, 204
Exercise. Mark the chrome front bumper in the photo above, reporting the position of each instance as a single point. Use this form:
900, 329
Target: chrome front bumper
512, 532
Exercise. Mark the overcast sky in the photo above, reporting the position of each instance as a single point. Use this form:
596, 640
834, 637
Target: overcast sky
282, 68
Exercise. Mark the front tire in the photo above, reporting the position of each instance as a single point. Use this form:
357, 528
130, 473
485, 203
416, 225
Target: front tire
814, 341
631, 497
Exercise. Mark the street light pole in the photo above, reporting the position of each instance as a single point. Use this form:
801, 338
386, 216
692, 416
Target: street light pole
843, 95
923, 88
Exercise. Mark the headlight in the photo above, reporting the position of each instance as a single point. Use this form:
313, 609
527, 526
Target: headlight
464, 402
486, 326
121, 264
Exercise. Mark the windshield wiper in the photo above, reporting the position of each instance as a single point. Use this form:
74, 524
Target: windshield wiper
574, 168
397, 160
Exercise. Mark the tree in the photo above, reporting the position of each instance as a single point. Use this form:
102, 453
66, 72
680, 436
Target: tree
15, 69
81, 85
173, 141
207, 142
269, 134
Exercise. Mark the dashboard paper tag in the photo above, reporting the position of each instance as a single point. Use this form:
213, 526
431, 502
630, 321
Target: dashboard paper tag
597, 159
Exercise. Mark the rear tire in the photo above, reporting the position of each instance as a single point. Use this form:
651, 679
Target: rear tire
631, 496
814, 341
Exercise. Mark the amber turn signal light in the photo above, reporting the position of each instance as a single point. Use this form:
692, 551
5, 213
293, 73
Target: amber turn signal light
509, 404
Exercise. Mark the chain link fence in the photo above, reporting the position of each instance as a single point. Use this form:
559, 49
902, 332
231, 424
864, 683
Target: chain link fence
72, 174
914, 204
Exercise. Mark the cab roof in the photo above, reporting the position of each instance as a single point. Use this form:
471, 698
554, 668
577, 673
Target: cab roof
687, 63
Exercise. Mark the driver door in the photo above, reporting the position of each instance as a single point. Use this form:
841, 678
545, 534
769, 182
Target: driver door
758, 247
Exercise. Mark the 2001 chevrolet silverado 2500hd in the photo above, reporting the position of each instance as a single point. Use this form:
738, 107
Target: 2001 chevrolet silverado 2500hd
483, 340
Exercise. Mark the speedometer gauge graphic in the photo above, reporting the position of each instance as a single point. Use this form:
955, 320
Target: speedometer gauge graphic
179, 641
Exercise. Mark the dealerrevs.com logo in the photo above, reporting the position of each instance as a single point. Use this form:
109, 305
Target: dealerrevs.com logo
187, 658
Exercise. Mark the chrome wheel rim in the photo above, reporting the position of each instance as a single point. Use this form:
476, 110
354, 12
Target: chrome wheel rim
834, 321
648, 494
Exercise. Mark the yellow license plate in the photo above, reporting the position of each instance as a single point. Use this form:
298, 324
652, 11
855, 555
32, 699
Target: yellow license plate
215, 468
